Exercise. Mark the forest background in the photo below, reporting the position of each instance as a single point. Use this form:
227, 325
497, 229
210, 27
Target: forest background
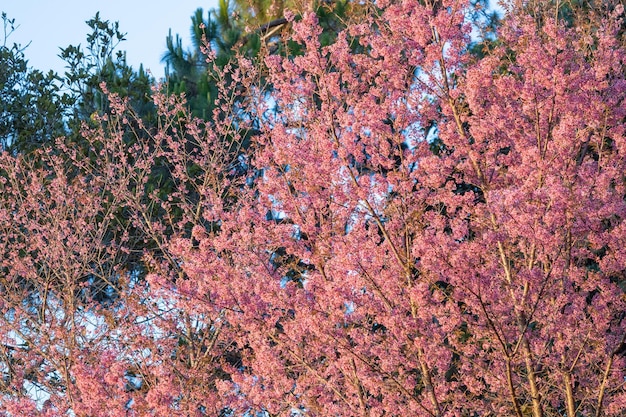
326, 208
145, 26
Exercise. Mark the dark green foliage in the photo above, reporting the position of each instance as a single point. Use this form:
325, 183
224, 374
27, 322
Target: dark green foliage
99, 63
31, 104
252, 29
190, 71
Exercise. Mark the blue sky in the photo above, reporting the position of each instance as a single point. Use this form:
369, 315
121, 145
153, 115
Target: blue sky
50, 24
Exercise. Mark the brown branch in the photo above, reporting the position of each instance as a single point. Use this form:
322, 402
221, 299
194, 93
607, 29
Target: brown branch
509, 380
272, 24
605, 376
276, 23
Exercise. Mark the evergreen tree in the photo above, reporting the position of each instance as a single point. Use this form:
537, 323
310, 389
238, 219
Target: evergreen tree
101, 62
248, 28
191, 71
31, 104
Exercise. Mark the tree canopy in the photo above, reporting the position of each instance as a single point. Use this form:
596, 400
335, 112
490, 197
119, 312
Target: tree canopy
388, 214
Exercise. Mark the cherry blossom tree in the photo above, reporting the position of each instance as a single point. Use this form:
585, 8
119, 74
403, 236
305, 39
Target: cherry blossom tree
412, 229
481, 278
